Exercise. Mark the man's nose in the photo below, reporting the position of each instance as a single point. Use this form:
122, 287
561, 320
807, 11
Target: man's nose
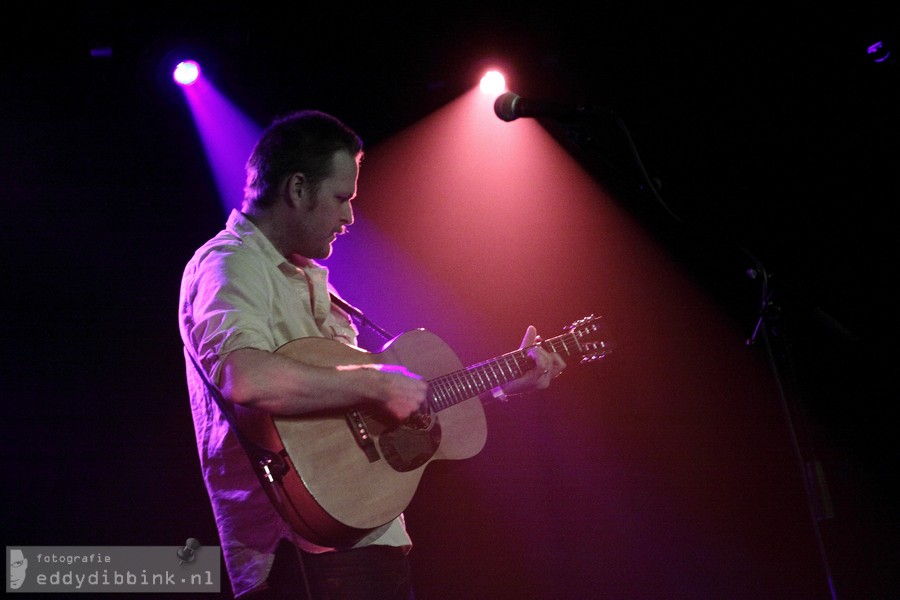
347, 214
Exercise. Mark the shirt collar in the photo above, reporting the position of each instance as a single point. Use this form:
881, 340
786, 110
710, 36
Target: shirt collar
249, 234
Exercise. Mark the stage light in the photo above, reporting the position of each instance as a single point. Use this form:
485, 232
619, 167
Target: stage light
493, 83
186, 72
101, 52
879, 52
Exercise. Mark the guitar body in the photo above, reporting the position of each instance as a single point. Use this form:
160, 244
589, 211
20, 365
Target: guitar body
342, 485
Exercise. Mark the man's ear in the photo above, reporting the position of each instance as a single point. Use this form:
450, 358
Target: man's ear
296, 189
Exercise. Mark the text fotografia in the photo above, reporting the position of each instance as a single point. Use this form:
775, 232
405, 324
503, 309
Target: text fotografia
78, 581
77, 558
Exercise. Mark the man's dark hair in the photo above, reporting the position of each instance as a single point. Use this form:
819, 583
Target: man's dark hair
301, 142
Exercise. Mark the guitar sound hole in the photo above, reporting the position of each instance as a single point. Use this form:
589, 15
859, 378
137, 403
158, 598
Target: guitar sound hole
421, 421
407, 448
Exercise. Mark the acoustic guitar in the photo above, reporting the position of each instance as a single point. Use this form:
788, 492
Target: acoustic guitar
346, 474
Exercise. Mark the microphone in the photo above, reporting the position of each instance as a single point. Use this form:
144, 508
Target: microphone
510, 106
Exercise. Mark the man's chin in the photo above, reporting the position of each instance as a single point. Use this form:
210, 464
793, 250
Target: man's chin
324, 254
318, 253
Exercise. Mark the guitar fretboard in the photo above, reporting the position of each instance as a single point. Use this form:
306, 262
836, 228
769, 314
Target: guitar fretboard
450, 389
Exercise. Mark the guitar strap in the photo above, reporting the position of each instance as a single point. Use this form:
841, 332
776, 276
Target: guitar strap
361, 318
270, 464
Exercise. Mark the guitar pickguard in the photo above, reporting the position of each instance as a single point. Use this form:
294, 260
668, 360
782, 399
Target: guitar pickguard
410, 445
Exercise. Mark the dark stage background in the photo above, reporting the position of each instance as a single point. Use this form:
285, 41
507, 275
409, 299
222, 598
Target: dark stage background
772, 134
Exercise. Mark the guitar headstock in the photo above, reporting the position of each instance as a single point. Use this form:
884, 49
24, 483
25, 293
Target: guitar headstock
592, 336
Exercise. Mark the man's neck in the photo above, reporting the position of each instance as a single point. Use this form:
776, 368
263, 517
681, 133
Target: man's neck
267, 225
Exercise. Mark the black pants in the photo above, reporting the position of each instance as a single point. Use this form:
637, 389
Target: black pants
368, 573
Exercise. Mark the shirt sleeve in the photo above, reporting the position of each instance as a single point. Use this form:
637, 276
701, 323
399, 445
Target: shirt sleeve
228, 306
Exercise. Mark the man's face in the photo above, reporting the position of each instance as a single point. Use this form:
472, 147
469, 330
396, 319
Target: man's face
326, 211
17, 565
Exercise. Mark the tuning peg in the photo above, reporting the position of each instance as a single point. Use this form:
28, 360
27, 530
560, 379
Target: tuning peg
589, 358
580, 322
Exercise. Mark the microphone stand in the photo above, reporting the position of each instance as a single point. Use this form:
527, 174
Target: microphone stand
773, 330
770, 328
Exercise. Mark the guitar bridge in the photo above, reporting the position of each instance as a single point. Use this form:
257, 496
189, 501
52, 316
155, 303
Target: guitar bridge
362, 436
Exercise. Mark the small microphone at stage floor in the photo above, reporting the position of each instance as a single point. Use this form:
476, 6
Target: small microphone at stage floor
510, 106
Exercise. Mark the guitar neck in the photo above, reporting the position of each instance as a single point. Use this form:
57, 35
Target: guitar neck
450, 389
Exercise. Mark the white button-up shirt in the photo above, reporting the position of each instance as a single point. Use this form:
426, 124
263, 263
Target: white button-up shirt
239, 292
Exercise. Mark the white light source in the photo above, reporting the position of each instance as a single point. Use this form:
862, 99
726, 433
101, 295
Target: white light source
186, 72
493, 83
